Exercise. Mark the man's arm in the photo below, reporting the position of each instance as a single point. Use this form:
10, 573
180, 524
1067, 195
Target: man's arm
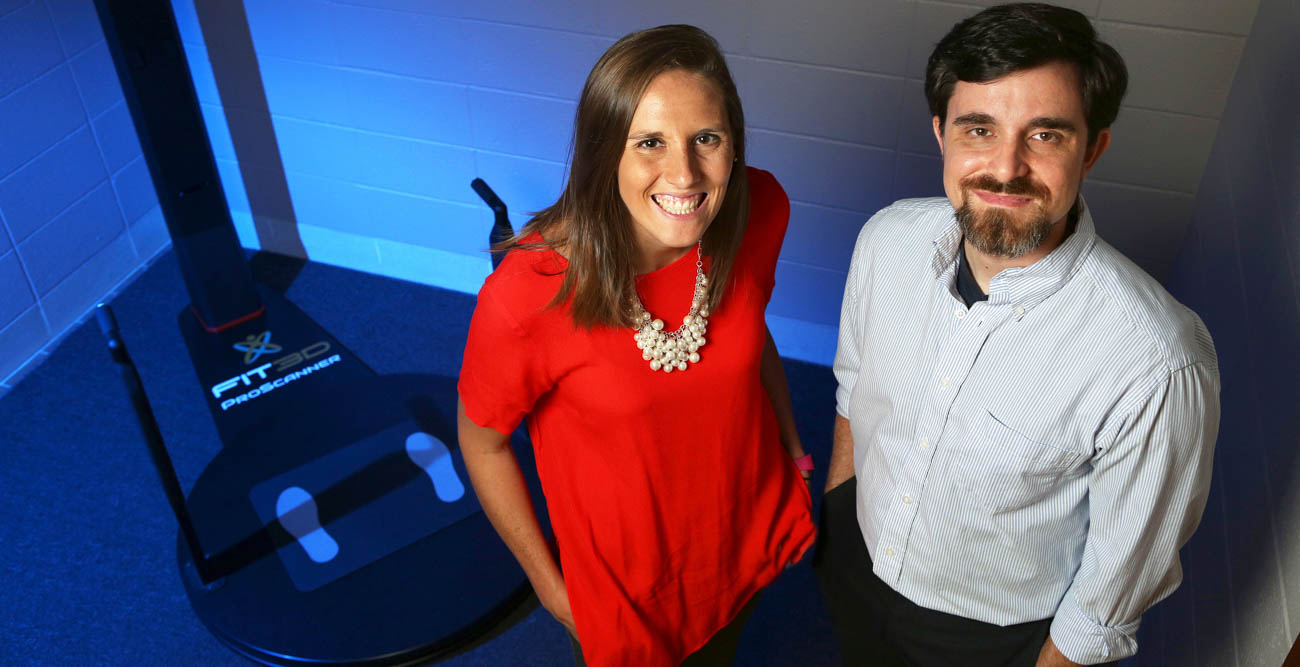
1146, 492
840, 467
1051, 656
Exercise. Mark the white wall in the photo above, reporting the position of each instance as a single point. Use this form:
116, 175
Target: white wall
453, 90
1239, 271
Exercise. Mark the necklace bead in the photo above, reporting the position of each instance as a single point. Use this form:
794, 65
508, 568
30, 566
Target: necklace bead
674, 350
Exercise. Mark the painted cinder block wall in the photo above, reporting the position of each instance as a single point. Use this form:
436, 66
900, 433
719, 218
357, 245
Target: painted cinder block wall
78, 209
384, 110
1239, 270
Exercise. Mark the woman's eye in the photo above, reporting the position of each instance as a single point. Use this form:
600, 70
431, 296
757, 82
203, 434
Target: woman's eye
648, 143
707, 139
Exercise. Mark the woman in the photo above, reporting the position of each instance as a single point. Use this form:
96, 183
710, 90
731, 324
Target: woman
666, 453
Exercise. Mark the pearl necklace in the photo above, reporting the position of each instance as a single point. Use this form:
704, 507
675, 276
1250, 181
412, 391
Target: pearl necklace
671, 350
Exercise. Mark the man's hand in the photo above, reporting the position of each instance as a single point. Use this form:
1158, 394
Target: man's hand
1051, 656
840, 468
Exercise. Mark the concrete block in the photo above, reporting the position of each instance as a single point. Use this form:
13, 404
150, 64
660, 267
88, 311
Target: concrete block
821, 236
21, 339
930, 23
309, 91
317, 149
861, 36
77, 23
68, 301
807, 293
1148, 226
118, 143
96, 79
1221, 16
917, 176
149, 234
416, 167
556, 64
1158, 150
524, 184
232, 182
1086, 7
135, 191
219, 139
915, 131
407, 107
726, 20
187, 22
57, 249
36, 116
299, 29
404, 43
821, 102
825, 172
519, 124
31, 46
1176, 70
15, 293
381, 214
37, 191
7, 6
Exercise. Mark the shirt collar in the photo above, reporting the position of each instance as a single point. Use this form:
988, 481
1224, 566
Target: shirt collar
1022, 287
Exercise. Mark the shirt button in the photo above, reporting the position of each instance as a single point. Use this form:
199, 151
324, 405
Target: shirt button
907, 499
945, 383
959, 313
1020, 311
925, 443
889, 552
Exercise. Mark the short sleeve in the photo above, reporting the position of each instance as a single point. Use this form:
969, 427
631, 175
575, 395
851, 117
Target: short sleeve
769, 215
502, 375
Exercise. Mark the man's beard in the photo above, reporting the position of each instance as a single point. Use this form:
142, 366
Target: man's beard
995, 230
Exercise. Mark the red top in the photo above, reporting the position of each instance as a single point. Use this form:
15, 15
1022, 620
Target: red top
670, 494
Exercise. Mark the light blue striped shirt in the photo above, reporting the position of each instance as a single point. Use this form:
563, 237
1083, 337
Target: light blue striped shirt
1043, 453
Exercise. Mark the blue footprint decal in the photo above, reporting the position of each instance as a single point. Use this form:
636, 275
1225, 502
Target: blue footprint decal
296, 511
432, 456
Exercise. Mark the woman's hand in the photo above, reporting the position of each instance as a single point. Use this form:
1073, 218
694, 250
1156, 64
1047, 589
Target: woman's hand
501, 491
556, 601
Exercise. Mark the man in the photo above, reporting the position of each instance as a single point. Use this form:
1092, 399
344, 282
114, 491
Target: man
1026, 420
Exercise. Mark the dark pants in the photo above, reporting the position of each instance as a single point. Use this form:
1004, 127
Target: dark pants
878, 626
719, 652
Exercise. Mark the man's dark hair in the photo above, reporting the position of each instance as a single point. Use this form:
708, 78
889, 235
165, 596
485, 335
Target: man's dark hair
1009, 38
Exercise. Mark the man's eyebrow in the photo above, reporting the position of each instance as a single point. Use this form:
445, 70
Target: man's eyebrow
973, 119
1054, 123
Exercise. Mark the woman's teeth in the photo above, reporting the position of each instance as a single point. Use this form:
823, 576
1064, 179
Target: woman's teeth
678, 205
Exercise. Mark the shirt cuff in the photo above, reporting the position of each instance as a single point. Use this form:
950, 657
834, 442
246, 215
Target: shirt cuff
1088, 642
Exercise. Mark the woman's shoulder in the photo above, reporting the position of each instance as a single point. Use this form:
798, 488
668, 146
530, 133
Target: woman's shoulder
526, 280
769, 210
765, 191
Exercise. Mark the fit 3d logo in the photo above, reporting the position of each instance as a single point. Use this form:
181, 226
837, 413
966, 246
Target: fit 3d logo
254, 347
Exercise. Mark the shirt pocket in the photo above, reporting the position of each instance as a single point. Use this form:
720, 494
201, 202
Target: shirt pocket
1007, 470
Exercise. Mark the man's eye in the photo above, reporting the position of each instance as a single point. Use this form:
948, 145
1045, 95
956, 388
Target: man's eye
1048, 137
979, 132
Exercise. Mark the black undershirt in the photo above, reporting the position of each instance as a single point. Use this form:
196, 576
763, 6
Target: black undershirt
966, 286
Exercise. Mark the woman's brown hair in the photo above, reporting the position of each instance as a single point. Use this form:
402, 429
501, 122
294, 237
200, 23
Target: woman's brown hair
590, 223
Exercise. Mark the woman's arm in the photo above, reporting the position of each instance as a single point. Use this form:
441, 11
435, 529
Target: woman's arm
504, 496
772, 374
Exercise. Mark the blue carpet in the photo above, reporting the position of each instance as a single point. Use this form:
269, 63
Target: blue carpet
88, 544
